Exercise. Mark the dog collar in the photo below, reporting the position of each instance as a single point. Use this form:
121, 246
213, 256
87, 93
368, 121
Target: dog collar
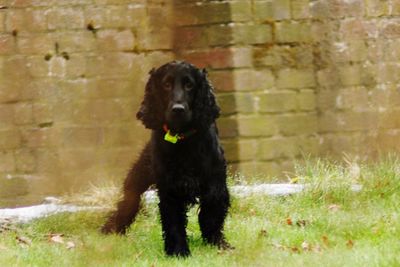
175, 138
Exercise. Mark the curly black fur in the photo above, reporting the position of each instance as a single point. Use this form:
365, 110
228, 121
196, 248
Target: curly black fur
190, 171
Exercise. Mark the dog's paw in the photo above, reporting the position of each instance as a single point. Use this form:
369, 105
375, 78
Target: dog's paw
224, 245
178, 252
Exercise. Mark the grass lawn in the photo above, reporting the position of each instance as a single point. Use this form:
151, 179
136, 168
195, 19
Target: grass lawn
326, 225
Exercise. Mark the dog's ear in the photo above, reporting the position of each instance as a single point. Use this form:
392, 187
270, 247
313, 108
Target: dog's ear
150, 109
205, 108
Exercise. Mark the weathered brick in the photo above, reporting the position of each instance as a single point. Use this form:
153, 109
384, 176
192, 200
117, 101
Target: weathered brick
236, 103
118, 16
106, 64
306, 100
390, 28
297, 124
126, 135
352, 29
294, 56
241, 11
350, 75
227, 127
217, 58
257, 126
251, 34
82, 137
7, 161
272, 10
354, 51
352, 98
249, 80
26, 20
114, 40
2, 21
76, 41
292, 32
65, 18
337, 8
295, 78
7, 44
377, 8
240, 150
203, 14
25, 161
6, 115
36, 44
300, 9
9, 139
42, 113
276, 148
277, 102
23, 113
40, 137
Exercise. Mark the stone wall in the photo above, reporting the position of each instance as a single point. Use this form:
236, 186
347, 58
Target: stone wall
72, 75
293, 77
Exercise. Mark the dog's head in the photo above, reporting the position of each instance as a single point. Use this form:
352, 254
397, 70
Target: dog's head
179, 95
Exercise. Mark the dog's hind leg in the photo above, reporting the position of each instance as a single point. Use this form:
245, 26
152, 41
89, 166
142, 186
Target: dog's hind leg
139, 179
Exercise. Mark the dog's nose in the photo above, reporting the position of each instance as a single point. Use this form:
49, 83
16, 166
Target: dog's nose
178, 108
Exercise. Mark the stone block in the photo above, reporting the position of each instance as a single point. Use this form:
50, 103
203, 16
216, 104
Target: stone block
7, 162
65, 18
82, 137
306, 100
277, 148
115, 40
293, 32
228, 127
23, 113
25, 161
297, 124
7, 44
295, 78
300, 9
256, 126
239, 150
9, 139
277, 102
272, 10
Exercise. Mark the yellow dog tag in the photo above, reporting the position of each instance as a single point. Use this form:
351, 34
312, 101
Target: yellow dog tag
171, 138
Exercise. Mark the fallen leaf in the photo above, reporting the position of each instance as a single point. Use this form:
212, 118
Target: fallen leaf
334, 207
325, 240
289, 221
70, 245
306, 246
23, 240
295, 249
349, 243
279, 246
56, 238
263, 232
316, 248
301, 223
294, 180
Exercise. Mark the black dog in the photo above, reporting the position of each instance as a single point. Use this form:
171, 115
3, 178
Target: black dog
183, 159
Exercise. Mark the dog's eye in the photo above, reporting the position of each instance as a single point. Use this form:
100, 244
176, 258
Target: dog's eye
167, 86
189, 86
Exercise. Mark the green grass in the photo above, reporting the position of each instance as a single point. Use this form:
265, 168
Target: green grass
330, 226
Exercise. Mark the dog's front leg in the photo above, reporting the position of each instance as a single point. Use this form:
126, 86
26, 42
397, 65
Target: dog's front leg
173, 221
214, 204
